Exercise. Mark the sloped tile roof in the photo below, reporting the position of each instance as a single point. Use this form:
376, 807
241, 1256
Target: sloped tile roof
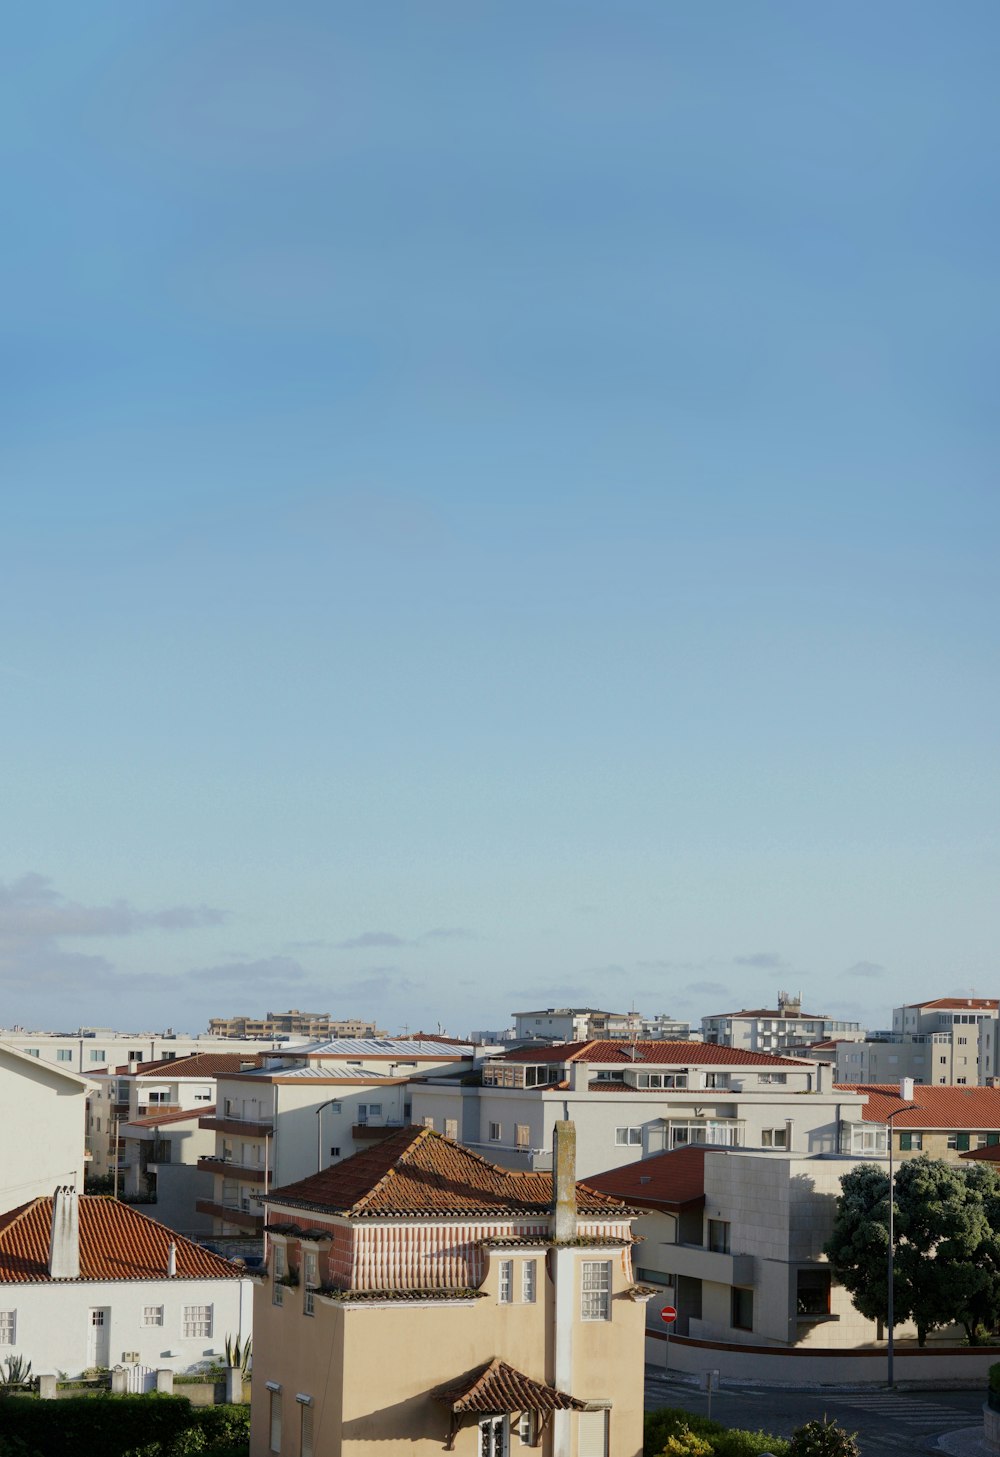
497, 1387
672, 1181
988, 1155
934, 1105
196, 1065
652, 1053
416, 1171
116, 1243
962, 1004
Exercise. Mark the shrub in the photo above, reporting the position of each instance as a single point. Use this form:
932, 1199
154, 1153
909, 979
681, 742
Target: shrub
823, 1439
739, 1443
684, 1443
671, 1424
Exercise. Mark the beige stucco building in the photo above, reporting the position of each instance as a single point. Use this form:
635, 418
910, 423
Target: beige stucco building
418, 1298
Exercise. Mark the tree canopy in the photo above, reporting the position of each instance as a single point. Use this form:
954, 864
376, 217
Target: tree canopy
947, 1244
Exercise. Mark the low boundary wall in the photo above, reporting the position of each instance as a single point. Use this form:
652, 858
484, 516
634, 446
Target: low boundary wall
820, 1365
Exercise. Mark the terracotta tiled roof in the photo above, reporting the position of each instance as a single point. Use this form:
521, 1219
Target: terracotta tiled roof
116, 1243
988, 1155
419, 1172
653, 1053
177, 1115
196, 1065
671, 1181
962, 1004
497, 1387
934, 1106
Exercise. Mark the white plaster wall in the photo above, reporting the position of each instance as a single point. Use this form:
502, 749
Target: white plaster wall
41, 1131
53, 1320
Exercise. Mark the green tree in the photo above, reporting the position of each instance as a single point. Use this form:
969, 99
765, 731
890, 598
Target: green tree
947, 1255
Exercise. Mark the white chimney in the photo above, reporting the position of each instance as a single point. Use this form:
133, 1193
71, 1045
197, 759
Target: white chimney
172, 1260
64, 1238
564, 1181
906, 1089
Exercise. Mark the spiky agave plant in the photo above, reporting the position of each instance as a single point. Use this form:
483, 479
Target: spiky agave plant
239, 1354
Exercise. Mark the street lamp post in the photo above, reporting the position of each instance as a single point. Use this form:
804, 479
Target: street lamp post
906, 1092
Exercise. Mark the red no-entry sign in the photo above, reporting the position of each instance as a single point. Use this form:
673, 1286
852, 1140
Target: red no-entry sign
668, 1314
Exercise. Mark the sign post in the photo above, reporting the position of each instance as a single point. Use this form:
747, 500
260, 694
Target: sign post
668, 1315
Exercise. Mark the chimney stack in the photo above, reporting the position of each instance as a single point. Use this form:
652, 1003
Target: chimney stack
172, 1260
564, 1181
64, 1239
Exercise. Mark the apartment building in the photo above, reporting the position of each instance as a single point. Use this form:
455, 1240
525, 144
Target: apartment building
300, 1025
161, 1156
631, 1099
138, 1090
420, 1299
944, 1041
734, 1241
769, 1029
44, 1127
300, 1112
97, 1049
90, 1282
574, 1024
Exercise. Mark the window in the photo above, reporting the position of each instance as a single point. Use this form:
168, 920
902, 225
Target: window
197, 1320
742, 1316
812, 1292
310, 1279
596, 1292
495, 1131
774, 1138
506, 1294
134, 1054
96, 1054
33, 1051
275, 1442
493, 1432
152, 1315
522, 1135
528, 1282
203, 1095
958, 1140
375, 1110
962, 1041
306, 1429
943, 1061
908, 1141
992, 1139
778, 1077
631, 1137
526, 1429
335, 1152
961, 1080
8, 1327
64, 1055
718, 1236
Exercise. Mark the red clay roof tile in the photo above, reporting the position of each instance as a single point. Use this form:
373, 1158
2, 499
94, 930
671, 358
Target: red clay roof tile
934, 1106
651, 1053
116, 1243
672, 1181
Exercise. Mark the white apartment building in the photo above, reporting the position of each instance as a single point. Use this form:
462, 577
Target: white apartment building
42, 1140
734, 1240
574, 1024
142, 1089
298, 1114
96, 1049
948, 1040
770, 1029
629, 1100
161, 1156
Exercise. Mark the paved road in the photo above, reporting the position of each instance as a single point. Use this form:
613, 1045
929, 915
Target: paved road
887, 1422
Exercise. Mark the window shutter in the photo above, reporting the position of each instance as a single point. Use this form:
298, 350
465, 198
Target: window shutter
593, 1434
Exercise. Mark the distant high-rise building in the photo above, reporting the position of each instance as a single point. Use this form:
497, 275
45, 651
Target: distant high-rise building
293, 1024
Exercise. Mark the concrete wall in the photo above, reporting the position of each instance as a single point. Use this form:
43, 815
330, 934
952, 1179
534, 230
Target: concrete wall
809, 1366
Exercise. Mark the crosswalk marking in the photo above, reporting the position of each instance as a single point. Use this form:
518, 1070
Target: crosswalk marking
908, 1411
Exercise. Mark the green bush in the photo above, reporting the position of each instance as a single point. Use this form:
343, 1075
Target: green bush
671, 1424
823, 1439
112, 1425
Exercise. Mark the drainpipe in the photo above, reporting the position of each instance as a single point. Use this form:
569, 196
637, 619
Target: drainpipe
564, 1228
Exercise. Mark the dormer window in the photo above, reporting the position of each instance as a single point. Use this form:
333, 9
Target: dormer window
661, 1080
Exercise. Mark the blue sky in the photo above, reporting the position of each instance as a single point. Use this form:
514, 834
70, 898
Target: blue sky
499, 506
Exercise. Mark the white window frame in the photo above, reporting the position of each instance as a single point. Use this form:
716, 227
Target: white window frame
529, 1282
152, 1315
274, 1419
197, 1322
505, 1283
496, 1132
595, 1290
8, 1327
629, 1137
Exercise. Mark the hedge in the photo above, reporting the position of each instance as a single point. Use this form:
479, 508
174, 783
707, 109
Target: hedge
660, 1426
120, 1426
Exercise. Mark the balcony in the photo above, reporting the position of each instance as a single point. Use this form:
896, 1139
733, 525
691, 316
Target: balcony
245, 1127
243, 1218
146, 1110
252, 1173
373, 1132
701, 1264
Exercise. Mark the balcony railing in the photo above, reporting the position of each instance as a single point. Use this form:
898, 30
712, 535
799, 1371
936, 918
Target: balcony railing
260, 1127
229, 1169
242, 1218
